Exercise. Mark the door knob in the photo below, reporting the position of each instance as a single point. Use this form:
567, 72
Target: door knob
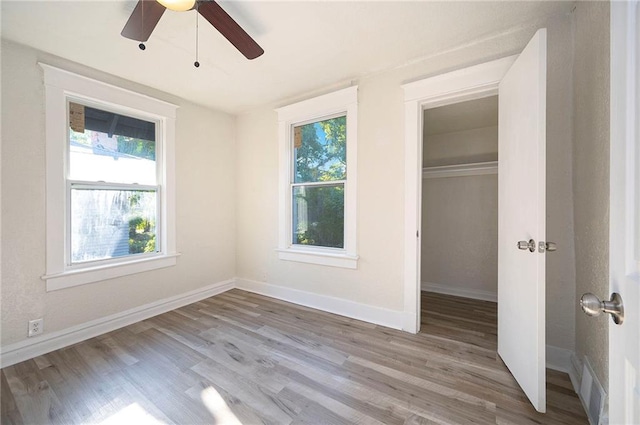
546, 247
592, 306
530, 245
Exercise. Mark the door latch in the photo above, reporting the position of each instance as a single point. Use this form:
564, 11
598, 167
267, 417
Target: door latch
546, 247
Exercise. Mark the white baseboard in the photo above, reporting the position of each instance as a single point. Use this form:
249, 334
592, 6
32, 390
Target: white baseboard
411, 322
575, 372
559, 359
379, 316
476, 294
30, 348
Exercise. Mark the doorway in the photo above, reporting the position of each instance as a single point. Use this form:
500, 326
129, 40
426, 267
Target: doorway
472, 83
520, 82
459, 244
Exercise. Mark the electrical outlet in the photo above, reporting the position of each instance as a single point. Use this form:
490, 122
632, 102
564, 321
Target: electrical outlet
35, 327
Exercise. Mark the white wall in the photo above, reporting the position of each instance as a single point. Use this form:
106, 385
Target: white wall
460, 235
378, 281
591, 178
205, 164
461, 147
561, 274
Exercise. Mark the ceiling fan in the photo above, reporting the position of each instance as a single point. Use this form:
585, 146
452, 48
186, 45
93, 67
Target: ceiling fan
147, 13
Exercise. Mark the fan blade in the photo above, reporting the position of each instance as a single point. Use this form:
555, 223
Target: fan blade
225, 24
143, 20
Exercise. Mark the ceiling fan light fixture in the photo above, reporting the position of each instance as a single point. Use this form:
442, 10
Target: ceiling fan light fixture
147, 14
178, 5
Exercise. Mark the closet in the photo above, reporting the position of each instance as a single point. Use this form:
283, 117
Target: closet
460, 199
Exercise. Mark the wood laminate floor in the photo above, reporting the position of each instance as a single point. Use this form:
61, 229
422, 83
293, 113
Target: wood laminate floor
244, 358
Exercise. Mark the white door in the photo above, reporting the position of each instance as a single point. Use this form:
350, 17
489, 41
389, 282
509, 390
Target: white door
624, 234
521, 217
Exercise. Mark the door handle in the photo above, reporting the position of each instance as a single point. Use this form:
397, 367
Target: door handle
546, 247
592, 306
530, 245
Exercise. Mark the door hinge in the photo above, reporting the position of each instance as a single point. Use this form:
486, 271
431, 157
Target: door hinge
417, 233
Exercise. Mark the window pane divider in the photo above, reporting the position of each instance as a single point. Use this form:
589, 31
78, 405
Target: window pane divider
327, 183
114, 260
79, 184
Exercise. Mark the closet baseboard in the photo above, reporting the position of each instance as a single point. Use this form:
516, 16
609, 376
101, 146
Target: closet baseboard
475, 294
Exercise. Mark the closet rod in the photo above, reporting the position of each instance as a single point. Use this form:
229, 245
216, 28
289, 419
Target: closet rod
460, 170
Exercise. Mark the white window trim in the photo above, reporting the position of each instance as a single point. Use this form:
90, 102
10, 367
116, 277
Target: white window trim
340, 102
59, 86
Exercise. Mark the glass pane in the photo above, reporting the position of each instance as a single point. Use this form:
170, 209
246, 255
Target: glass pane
320, 151
107, 223
104, 146
318, 215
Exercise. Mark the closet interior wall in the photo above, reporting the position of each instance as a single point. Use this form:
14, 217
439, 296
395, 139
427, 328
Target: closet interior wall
460, 199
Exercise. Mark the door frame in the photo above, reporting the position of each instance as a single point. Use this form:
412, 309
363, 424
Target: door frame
453, 87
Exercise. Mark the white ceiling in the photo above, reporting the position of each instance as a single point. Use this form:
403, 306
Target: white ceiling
477, 113
308, 45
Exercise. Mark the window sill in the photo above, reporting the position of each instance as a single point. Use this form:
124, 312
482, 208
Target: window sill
70, 278
323, 258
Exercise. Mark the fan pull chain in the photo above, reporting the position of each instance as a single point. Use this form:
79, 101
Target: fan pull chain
196, 63
141, 45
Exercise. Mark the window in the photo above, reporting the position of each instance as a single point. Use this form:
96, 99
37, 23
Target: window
112, 185
110, 170
317, 185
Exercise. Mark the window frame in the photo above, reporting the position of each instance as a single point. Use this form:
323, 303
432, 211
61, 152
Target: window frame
339, 103
62, 87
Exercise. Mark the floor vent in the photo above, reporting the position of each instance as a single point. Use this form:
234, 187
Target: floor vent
592, 395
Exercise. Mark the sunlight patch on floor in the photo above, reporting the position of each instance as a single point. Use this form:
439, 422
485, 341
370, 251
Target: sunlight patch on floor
132, 414
218, 407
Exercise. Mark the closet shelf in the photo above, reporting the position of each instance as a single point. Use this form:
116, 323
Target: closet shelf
460, 170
